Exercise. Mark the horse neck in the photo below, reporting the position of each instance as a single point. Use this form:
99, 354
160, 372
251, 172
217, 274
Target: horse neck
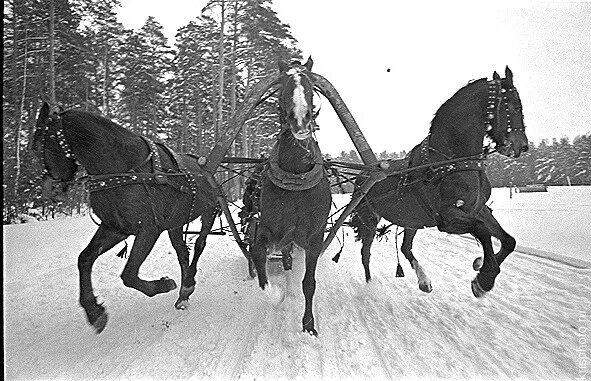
101, 146
295, 156
458, 127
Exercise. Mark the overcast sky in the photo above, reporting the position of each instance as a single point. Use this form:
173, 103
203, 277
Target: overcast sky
432, 49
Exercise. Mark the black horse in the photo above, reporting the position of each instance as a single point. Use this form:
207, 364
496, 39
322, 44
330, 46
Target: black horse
449, 187
295, 194
137, 187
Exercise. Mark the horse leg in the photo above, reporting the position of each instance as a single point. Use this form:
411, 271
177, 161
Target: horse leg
485, 279
258, 253
309, 283
103, 240
259, 257
188, 281
178, 243
406, 248
507, 241
144, 241
286, 257
367, 232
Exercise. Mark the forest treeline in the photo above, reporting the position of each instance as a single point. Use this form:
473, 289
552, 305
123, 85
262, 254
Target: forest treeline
76, 54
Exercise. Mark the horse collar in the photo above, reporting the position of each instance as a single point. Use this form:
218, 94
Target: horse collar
291, 181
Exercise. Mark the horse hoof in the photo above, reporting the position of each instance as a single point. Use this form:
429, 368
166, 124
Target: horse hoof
477, 289
477, 265
425, 287
100, 323
310, 331
168, 284
182, 304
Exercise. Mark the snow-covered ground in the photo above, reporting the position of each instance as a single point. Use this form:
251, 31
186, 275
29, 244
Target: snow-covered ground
531, 326
556, 223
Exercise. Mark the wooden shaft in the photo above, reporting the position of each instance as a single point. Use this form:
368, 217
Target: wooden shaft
229, 135
226, 210
327, 89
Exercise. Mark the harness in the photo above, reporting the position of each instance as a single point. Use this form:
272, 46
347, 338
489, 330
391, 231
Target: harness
158, 176
428, 171
295, 181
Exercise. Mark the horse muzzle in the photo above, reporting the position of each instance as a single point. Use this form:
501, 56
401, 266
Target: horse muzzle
513, 149
302, 135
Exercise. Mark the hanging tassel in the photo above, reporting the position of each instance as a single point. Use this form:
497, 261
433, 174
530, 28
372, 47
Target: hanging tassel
399, 271
342, 242
337, 256
123, 252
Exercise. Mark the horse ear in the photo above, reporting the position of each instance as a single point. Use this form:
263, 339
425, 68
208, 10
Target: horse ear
508, 74
309, 63
496, 76
283, 66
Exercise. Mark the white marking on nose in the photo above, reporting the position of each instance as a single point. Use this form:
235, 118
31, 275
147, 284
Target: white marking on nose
299, 100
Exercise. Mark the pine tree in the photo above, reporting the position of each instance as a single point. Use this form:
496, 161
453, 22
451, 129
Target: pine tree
145, 65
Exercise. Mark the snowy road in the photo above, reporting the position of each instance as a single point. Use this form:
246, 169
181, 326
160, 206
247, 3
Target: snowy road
388, 329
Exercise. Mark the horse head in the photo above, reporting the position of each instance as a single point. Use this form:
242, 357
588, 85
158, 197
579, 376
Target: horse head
51, 148
504, 116
296, 106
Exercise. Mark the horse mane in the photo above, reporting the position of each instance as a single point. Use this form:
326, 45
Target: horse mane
102, 126
463, 99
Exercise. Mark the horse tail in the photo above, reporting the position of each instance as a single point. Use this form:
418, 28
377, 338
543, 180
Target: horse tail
356, 223
363, 221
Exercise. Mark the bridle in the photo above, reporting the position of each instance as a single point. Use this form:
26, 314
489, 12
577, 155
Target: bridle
55, 117
496, 104
311, 125
58, 133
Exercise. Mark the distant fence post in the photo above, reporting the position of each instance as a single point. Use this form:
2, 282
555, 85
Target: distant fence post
510, 189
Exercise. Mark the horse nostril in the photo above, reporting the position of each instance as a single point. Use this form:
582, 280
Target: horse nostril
525, 148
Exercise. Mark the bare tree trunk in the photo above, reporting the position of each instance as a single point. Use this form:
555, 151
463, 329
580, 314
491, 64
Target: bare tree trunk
221, 59
155, 119
246, 144
52, 98
20, 120
184, 127
220, 86
106, 110
234, 74
199, 141
214, 91
236, 185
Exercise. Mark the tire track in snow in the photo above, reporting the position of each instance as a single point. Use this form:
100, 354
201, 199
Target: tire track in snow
342, 284
241, 339
374, 345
